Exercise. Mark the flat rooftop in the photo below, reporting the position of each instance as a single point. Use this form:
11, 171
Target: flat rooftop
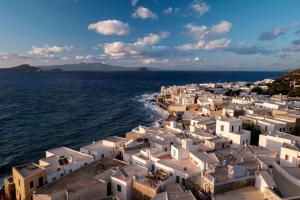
97, 146
229, 119
66, 152
116, 139
29, 169
183, 165
284, 135
244, 193
128, 171
285, 186
81, 178
187, 195
295, 147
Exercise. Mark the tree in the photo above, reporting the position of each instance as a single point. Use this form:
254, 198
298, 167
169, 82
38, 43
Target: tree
233, 93
255, 132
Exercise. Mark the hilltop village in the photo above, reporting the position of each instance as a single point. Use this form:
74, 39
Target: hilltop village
219, 141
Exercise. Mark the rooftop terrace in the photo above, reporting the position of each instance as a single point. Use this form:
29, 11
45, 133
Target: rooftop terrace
83, 177
29, 169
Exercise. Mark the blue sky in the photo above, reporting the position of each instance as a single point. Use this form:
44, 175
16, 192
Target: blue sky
168, 34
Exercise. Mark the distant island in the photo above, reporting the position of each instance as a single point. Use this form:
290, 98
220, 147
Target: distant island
101, 67
22, 68
93, 67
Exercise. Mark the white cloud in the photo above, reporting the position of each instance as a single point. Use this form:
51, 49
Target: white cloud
273, 34
198, 32
4, 56
168, 11
120, 49
200, 7
222, 27
202, 45
217, 44
139, 47
149, 61
80, 57
151, 39
47, 50
110, 27
65, 58
196, 59
202, 32
144, 13
134, 2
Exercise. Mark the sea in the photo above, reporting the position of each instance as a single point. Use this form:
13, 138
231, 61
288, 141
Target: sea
45, 110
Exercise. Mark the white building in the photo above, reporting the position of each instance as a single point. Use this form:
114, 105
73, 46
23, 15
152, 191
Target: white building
203, 159
202, 123
178, 165
271, 105
242, 101
231, 128
103, 148
290, 155
275, 140
122, 179
270, 125
62, 161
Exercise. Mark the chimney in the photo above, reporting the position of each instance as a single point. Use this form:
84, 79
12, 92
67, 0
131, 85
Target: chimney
173, 124
71, 159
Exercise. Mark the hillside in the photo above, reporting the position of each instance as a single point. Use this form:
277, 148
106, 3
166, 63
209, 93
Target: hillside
288, 84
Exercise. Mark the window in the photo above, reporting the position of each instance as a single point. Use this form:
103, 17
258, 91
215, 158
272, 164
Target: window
222, 127
239, 128
266, 128
119, 188
232, 128
166, 149
286, 157
177, 179
152, 168
174, 153
61, 175
171, 174
102, 155
183, 181
41, 181
31, 185
85, 164
53, 179
70, 170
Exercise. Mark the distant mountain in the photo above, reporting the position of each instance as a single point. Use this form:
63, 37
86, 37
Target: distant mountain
22, 68
92, 67
144, 69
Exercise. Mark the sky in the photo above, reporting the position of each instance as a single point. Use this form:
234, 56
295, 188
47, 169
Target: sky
168, 34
